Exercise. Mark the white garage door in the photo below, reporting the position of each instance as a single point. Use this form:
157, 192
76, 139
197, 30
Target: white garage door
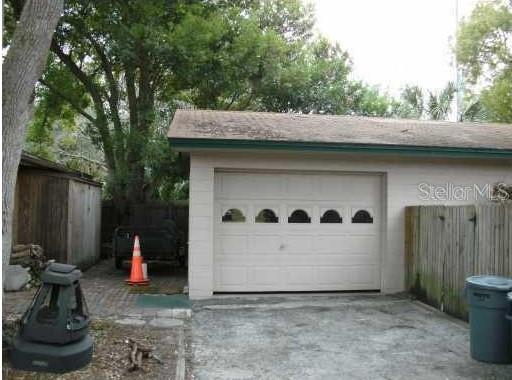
296, 232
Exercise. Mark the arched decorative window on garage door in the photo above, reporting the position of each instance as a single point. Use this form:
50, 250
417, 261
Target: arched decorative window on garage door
266, 216
299, 216
233, 215
362, 216
331, 216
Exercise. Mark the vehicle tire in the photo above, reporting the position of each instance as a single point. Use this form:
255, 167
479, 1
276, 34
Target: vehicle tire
119, 262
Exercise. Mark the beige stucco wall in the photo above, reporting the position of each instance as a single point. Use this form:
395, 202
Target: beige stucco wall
402, 175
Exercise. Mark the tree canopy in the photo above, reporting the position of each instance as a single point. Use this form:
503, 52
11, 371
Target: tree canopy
484, 49
119, 69
122, 67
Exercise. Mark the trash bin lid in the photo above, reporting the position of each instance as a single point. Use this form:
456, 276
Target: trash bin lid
490, 282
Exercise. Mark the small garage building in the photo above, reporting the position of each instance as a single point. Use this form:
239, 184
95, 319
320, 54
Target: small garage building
288, 202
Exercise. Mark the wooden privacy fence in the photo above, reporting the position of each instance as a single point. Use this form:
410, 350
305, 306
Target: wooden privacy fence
152, 213
446, 244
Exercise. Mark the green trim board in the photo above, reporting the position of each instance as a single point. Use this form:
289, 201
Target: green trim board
186, 144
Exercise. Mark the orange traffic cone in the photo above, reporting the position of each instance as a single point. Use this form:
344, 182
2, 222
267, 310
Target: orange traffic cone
137, 274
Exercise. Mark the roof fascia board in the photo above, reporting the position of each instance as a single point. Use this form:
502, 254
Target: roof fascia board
185, 144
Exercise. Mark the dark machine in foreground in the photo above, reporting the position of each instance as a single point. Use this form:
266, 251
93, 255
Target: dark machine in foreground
54, 333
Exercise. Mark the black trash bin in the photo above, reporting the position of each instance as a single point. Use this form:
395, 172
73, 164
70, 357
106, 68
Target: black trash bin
490, 330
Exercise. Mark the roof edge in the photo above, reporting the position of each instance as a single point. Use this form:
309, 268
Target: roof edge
30, 161
187, 144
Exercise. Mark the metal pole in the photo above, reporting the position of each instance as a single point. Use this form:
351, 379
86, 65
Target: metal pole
459, 85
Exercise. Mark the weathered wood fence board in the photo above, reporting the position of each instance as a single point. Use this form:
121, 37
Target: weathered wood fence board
446, 244
60, 213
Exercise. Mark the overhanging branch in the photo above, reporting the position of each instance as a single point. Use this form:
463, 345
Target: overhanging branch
71, 102
79, 74
101, 120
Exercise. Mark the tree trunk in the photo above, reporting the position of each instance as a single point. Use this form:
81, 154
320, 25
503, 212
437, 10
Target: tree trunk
143, 117
23, 65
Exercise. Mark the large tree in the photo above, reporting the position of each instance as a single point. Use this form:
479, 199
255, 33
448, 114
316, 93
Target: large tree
484, 49
22, 67
121, 65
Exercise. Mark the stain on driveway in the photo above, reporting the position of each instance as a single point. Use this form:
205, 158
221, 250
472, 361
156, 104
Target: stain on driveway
330, 337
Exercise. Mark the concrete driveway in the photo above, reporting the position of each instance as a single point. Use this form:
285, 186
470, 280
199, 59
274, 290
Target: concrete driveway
330, 337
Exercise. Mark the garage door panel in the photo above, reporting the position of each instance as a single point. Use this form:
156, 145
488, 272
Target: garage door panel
231, 275
293, 244
297, 259
234, 186
334, 228
345, 244
330, 244
345, 259
259, 259
268, 186
364, 276
250, 260
312, 262
300, 275
264, 275
228, 261
265, 244
362, 187
348, 187
285, 256
232, 244
360, 244
331, 187
299, 186
332, 276
366, 230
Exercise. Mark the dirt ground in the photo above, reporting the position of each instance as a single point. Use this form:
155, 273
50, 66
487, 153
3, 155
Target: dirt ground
110, 356
110, 300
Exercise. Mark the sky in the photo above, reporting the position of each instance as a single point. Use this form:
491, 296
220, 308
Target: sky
395, 42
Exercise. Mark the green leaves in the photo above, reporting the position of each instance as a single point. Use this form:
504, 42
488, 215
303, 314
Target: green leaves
121, 67
369, 101
439, 106
54, 113
413, 103
260, 56
484, 50
497, 98
483, 42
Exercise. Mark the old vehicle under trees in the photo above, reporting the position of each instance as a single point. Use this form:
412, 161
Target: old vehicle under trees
157, 243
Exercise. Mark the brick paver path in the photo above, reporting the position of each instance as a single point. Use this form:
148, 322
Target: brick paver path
106, 293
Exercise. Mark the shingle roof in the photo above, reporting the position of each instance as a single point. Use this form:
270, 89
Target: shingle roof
328, 129
34, 162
